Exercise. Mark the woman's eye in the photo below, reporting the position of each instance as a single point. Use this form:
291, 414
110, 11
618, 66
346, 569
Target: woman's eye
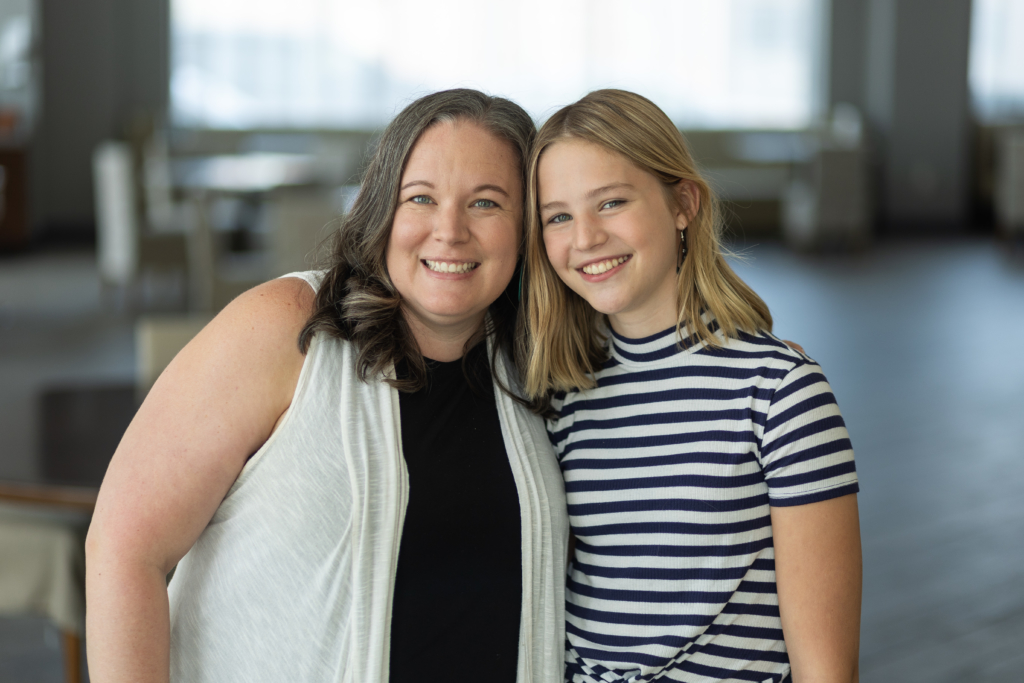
420, 199
485, 204
559, 218
612, 204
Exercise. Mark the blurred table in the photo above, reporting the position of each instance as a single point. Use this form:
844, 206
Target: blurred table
246, 176
77, 498
244, 173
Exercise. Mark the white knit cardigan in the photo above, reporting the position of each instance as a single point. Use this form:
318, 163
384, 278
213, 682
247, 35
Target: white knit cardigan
293, 578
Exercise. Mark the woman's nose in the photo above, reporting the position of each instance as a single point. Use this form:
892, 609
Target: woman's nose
587, 234
452, 225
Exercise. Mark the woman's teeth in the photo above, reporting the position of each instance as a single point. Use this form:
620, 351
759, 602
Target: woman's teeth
603, 266
450, 266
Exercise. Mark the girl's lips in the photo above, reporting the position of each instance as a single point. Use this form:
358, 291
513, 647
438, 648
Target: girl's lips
604, 275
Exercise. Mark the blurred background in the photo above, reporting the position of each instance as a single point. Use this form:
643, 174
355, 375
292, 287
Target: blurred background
157, 157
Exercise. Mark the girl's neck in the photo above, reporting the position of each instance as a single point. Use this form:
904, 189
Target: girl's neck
639, 326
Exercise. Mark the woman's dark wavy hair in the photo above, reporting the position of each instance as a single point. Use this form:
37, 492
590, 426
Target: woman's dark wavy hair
357, 300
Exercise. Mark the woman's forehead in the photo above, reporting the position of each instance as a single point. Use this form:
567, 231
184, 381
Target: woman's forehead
463, 151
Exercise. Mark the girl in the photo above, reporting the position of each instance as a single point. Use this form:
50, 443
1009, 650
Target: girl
709, 475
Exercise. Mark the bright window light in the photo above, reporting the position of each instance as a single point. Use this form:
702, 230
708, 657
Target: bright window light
348, 64
997, 59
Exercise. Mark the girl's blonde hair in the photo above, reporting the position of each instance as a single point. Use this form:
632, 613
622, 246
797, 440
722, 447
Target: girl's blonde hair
562, 344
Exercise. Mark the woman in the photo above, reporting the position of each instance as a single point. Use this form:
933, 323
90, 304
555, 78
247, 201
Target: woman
708, 472
267, 462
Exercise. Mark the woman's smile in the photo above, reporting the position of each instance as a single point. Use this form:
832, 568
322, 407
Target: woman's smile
446, 267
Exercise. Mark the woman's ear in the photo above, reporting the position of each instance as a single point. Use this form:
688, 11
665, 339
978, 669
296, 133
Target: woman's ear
687, 196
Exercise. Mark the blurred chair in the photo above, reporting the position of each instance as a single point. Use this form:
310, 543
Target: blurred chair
300, 221
158, 339
42, 570
1009, 187
829, 204
127, 246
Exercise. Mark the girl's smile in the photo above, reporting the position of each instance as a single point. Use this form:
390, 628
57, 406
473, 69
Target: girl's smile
602, 269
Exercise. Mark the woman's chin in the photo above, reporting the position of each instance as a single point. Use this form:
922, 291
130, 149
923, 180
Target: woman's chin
447, 313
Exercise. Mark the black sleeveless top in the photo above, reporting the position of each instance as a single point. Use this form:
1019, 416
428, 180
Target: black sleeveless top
458, 591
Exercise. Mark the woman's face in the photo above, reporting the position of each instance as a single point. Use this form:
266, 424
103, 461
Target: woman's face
612, 234
454, 240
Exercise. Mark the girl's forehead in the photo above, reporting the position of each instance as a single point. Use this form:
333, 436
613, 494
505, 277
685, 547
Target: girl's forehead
572, 161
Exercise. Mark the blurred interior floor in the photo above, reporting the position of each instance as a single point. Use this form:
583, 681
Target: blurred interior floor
923, 342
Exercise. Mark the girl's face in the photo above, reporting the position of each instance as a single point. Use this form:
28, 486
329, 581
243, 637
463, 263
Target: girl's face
454, 241
611, 232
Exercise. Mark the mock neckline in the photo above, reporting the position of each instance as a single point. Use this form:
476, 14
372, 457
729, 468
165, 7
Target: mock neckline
655, 348
651, 349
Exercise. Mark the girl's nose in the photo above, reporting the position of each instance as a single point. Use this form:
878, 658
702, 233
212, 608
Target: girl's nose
587, 234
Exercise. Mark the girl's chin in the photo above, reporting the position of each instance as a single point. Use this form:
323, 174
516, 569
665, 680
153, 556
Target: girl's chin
609, 308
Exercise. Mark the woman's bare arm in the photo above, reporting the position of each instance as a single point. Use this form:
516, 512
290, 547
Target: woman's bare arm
212, 408
793, 345
818, 571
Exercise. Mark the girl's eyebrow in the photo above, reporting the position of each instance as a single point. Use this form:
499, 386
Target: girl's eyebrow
607, 188
593, 193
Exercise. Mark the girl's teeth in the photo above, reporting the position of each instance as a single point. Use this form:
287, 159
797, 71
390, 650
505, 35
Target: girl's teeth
449, 266
603, 266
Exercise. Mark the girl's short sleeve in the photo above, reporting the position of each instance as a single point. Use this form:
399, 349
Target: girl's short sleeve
806, 453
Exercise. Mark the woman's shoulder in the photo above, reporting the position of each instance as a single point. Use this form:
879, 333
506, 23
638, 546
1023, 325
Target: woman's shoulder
312, 278
276, 308
260, 329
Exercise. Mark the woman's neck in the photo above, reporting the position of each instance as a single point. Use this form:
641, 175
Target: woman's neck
442, 342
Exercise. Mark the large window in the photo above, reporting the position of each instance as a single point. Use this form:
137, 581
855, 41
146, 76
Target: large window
353, 64
997, 59
18, 70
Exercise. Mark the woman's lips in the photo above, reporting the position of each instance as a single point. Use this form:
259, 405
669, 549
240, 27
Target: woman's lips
595, 271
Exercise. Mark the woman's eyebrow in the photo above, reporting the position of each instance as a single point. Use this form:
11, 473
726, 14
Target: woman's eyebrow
478, 188
416, 182
495, 188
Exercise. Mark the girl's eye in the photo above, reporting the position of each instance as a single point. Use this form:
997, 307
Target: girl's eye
559, 218
420, 199
485, 204
612, 204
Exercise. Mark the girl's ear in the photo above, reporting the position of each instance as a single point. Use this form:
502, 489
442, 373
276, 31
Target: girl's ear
687, 196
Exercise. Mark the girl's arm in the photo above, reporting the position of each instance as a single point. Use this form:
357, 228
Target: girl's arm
818, 572
212, 408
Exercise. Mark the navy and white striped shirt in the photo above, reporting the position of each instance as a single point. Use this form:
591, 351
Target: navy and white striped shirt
671, 465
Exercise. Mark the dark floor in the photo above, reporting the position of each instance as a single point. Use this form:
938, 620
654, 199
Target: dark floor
924, 346
923, 342
30, 651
